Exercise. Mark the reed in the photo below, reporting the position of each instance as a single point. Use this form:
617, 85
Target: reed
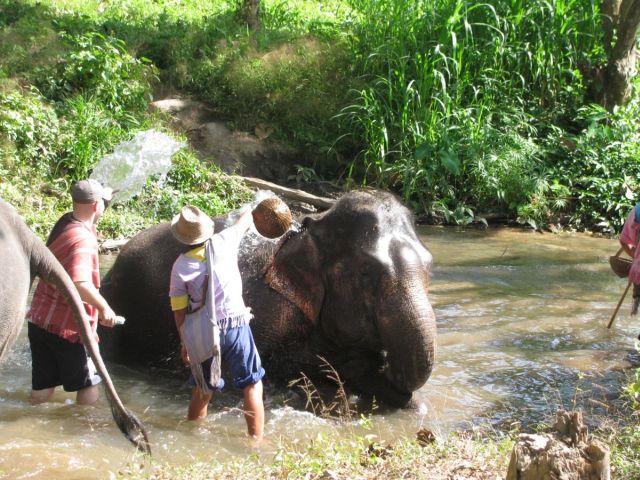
446, 81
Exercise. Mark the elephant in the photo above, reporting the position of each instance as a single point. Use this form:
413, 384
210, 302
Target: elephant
23, 256
348, 288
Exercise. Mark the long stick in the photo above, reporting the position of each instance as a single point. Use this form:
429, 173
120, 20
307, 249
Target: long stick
615, 312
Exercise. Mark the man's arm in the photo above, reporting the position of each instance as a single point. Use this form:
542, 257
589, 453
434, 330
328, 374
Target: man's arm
179, 316
91, 295
629, 249
244, 221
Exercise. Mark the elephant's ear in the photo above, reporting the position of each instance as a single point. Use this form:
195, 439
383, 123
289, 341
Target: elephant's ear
294, 272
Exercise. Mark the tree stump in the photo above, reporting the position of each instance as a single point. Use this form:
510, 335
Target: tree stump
566, 454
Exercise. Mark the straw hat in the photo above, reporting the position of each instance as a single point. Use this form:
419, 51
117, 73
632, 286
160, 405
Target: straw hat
192, 226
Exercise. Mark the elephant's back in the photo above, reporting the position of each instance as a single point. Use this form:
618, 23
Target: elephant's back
137, 287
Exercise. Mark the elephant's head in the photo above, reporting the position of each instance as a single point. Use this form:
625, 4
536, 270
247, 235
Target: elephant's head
360, 275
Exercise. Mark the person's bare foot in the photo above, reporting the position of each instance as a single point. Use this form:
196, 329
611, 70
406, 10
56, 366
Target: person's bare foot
258, 443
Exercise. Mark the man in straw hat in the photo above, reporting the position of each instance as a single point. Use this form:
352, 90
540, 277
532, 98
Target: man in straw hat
210, 314
58, 356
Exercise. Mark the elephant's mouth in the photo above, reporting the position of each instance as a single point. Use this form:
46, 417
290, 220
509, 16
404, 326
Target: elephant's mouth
370, 375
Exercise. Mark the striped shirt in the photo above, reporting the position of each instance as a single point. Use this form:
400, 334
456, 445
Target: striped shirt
76, 248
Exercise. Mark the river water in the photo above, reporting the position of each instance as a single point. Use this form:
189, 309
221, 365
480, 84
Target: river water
521, 332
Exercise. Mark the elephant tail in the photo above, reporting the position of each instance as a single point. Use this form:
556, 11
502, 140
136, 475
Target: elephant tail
45, 264
128, 423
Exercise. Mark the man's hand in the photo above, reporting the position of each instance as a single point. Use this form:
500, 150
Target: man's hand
185, 355
107, 317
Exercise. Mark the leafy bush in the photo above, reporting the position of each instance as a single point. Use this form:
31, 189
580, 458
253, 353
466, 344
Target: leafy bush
31, 127
190, 182
89, 132
599, 166
100, 66
505, 172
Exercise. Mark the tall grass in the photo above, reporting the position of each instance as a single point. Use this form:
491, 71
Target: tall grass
449, 85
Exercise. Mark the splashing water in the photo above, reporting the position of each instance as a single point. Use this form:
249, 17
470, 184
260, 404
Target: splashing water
127, 169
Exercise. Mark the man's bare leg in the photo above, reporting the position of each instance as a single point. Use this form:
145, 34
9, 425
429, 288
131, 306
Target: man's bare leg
254, 410
199, 404
88, 395
41, 396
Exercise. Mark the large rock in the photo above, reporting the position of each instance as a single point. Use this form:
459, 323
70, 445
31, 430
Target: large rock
566, 454
242, 153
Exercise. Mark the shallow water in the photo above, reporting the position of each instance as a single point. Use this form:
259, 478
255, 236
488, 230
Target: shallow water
521, 331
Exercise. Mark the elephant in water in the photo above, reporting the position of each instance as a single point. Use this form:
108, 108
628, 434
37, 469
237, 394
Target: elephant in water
22, 257
350, 286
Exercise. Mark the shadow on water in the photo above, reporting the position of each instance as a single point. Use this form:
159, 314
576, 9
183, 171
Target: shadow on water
521, 331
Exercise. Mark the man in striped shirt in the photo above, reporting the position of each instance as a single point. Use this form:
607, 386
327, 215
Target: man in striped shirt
58, 356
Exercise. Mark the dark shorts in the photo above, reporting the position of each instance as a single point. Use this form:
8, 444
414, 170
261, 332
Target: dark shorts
55, 361
240, 355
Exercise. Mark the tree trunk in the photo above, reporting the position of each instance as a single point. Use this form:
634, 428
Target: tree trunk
620, 23
252, 13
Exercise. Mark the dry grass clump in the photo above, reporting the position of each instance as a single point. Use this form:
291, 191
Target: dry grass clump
459, 457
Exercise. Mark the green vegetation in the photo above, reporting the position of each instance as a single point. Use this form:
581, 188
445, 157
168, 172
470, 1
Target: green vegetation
462, 108
358, 456
365, 456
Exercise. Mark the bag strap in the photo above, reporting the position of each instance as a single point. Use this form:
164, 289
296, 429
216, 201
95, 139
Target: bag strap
205, 294
210, 283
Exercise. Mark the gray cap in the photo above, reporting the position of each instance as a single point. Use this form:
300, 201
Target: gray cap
90, 191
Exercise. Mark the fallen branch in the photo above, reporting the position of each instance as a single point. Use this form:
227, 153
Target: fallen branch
110, 245
291, 193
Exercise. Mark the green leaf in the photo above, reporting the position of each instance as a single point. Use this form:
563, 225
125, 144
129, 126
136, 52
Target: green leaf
449, 160
422, 151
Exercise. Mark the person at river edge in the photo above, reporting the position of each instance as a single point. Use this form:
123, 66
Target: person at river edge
211, 316
629, 242
57, 353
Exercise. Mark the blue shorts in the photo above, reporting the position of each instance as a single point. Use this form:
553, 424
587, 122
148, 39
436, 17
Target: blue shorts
240, 354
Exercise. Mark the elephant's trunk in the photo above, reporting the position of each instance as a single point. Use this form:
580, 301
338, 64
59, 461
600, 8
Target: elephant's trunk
407, 327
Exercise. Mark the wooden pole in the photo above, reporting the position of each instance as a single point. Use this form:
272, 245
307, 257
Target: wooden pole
615, 312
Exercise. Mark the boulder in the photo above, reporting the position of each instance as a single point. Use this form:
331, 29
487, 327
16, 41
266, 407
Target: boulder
243, 153
564, 454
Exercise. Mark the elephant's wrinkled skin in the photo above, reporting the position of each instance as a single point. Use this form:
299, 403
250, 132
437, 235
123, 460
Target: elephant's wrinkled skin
350, 286
22, 257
